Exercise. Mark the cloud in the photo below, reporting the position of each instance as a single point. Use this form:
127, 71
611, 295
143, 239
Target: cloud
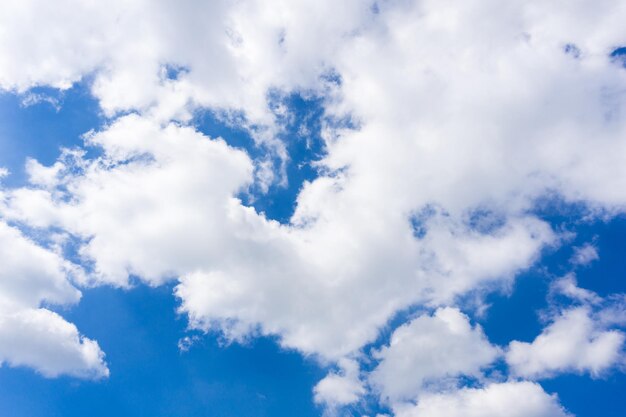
232, 54
33, 336
573, 342
340, 388
584, 255
31, 99
494, 400
431, 352
154, 205
568, 286
582, 337
43, 340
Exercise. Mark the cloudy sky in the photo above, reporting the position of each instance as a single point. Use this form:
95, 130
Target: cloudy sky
394, 208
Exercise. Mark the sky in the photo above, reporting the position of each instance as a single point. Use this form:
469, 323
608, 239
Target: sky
400, 208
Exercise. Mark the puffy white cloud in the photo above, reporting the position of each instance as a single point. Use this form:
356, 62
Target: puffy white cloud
340, 388
318, 302
167, 58
31, 276
155, 205
573, 342
492, 117
514, 399
582, 338
431, 352
43, 340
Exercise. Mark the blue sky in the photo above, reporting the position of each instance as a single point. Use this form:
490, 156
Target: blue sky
266, 209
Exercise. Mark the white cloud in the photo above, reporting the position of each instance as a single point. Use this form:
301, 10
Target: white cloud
585, 254
431, 352
31, 99
340, 388
581, 338
568, 286
573, 342
154, 205
43, 340
46, 177
31, 276
512, 399
232, 53
613, 312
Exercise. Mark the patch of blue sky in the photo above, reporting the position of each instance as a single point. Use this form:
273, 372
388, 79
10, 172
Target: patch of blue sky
173, 71
301, 135
139, 330
38, 123
619, 55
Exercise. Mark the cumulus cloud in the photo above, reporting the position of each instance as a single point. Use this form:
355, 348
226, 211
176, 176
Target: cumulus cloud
166, 59
583, 338
340, 388
514, 399
43, 340
431, 352
31, 276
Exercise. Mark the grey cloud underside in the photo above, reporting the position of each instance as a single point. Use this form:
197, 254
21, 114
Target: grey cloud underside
454, 118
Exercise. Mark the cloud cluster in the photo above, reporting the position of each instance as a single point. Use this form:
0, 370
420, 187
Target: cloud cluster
160, 204
431, 350
462, 116
339, 389
584, 337
571, 343
523, 399
30, 334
